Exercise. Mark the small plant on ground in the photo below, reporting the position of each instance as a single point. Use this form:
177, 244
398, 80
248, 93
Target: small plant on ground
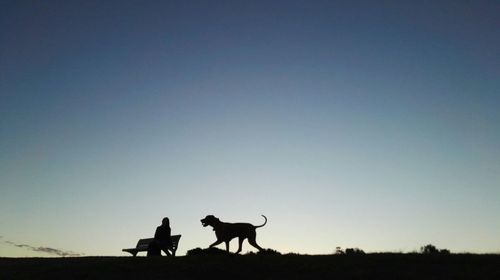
431, 249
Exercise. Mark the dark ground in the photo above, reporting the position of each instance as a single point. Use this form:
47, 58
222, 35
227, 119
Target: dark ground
369, 266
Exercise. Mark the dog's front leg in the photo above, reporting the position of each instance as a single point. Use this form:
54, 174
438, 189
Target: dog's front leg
215, 243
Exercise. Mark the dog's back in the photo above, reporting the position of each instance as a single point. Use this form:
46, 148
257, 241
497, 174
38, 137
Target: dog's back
242, 230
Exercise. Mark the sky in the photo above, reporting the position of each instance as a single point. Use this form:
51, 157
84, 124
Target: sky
368, 124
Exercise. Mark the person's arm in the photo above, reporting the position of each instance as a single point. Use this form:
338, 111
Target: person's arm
169, 236
157, 233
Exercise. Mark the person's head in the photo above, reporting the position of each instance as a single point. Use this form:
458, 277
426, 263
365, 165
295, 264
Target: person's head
165, 222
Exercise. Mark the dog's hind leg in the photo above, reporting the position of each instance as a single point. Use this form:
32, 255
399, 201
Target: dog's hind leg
251, 240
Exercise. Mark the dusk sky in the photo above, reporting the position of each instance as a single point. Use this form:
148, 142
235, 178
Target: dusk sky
369, 124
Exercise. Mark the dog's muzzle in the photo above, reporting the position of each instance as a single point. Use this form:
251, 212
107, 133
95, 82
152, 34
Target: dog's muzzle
203, 223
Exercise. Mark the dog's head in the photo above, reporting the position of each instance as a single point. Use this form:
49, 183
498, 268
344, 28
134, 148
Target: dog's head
210, 220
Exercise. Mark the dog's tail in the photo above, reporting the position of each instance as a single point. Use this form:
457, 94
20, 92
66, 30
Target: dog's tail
265, 222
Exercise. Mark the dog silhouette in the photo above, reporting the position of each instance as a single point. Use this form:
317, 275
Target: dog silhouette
225, 232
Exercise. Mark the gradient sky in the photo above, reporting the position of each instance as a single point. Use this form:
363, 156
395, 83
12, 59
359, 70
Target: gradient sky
370, 124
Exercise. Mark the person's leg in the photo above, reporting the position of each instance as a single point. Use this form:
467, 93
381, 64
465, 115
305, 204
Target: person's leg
165, 247
154, 249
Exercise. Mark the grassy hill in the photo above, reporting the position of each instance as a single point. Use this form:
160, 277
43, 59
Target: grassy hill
255, 266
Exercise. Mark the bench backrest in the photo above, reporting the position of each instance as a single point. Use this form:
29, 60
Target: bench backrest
143, 244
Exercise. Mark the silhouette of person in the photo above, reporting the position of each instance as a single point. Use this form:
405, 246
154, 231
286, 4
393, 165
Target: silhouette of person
162, 240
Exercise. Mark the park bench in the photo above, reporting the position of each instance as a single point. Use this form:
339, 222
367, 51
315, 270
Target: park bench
143, 245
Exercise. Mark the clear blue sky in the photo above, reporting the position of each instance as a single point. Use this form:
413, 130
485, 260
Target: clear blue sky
370, 124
